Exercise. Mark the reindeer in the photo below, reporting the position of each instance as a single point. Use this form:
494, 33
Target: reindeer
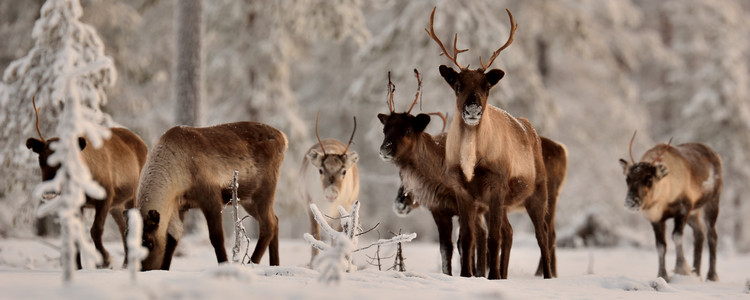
337, 181
192, 167
396, 128
116, 166
682, 182
497, 156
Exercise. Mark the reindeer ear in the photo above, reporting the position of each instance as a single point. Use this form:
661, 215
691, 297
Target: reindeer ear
382, 118
661, 171
151, 222
625, 165
35, 145
494, 76
351, 159
421, 122
82, 143
315, 157
449, 75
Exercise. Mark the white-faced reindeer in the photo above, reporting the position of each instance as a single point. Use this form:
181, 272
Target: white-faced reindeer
336, 181
682, 182
116, 166
193, 168
497, 156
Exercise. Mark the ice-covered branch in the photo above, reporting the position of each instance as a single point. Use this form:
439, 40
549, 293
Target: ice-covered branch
401, 238
136, 251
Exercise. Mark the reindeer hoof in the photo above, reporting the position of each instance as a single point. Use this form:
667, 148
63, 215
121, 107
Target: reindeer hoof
712, 276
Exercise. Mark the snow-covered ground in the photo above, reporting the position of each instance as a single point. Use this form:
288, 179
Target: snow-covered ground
29, 270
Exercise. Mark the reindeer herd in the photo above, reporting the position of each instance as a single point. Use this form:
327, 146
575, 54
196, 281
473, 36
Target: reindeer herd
487, 164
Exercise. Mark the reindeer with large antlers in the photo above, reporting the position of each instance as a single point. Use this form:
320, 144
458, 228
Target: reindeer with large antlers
682, 182
497, 156
336, 181
116, 166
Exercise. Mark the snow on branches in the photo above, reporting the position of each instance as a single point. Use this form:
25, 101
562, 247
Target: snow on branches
136, 251
336, 258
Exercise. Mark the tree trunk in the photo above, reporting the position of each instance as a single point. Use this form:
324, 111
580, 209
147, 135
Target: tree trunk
188, 62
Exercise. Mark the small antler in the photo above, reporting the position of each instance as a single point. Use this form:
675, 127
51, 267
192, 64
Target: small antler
316, 133
391, 90
352, 137
658, 157
442, 116
513, 27
419, 90
456, 51
36, 113
631, 146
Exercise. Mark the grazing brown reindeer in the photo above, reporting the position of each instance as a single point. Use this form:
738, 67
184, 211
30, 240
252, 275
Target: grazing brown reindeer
116, 166
498, 156
682, 182
337, 179
192, 167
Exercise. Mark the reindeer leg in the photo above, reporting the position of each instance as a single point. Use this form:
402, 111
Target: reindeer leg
542, 236
481, 238
495, 221
268, 228
444, 224
661, 247
712, 213
507, 243
681, 266
315, 232
698, 237
466, 219
97, 229
117, 213
212, 211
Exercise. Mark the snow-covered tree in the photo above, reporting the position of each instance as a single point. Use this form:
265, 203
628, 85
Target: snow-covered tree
62, 46
188, 64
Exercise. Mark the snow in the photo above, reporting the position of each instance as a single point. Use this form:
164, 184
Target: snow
29, 270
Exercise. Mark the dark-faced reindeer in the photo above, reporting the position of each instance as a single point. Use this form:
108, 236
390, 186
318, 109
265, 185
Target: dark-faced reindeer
682, 182
116, 166
497, 156
192, 168
336, 181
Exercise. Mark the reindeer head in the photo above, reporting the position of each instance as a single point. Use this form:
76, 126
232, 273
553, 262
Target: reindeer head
471, 86
160, 236
332, 166
641, 178
400, 130
43, 148
404, 202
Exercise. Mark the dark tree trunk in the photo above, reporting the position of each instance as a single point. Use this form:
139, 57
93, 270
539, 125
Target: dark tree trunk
188, 77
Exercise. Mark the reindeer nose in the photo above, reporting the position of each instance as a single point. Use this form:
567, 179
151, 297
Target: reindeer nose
472, 113
386, 153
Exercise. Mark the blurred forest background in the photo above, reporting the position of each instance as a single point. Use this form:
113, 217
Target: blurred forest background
587, 73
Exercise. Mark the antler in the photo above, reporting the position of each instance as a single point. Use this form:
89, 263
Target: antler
316, 133
442, 116
513, 27
658, 157
391, 90
432, 34
36, 113
352, 137
419, 90
631, 146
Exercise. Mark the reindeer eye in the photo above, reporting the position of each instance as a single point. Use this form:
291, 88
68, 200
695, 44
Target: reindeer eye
457, 87
343, 172
408, 131
320, 171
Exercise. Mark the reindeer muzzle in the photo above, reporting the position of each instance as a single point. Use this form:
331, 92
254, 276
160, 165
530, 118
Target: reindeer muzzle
471, 114
633, 203
386, 152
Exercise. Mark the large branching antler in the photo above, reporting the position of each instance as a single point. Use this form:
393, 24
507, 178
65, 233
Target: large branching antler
352, 137
513, 27
36, 113
316, 133
456, 51
419, 90
442, 116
